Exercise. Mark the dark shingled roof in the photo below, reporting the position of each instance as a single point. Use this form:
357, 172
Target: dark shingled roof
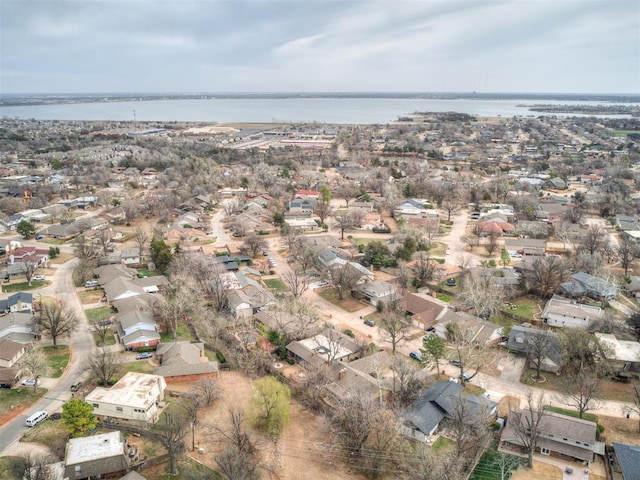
628, 457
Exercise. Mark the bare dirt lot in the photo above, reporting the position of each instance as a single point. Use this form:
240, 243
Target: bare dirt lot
299, 454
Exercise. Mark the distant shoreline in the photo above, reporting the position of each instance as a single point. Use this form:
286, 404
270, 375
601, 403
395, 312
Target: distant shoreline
17, 100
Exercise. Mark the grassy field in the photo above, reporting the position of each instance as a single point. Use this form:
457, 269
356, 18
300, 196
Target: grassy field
183, 333
23, 286
572, 413
488, 467
58, 359
50, 433
276, 285
18, 397
441, 442
143, 272
348, 304
98, 314
91, 296
139, 366
109, 339
11, 468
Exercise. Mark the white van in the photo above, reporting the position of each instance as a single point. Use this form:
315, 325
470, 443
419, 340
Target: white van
90, 283
36, 418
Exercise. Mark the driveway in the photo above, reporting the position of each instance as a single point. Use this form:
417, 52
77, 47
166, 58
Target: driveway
511, 368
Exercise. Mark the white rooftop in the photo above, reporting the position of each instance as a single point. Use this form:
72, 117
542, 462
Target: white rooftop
326, 348
135, 390
103, 445
623, 350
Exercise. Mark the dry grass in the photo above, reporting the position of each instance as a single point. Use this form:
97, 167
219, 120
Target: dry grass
538, 472
507, 403
90, 296
623, 430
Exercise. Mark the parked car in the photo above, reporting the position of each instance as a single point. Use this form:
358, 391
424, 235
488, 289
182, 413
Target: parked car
76, 386
265, 253
39, 237
447, 251
55, 416
370, 322
454, 362
416, 356
39, 278
319, 284
466, 377
30, 382
451, 282
143, 355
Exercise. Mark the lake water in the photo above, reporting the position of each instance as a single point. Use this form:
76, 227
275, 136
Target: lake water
264, 110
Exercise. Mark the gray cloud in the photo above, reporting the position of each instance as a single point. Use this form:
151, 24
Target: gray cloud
319, 45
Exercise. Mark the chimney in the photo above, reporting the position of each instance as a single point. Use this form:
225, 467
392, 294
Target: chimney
342, 373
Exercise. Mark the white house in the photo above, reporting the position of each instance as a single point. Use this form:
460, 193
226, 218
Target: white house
136, 396
565, 313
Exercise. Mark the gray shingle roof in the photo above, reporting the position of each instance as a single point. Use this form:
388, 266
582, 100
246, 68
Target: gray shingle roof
628, 457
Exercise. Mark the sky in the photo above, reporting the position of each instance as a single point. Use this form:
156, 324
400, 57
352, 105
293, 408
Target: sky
184, 46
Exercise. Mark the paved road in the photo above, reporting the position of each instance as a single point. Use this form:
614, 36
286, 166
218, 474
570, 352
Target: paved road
82, 346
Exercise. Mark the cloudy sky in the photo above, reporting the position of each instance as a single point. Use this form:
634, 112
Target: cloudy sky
582, 46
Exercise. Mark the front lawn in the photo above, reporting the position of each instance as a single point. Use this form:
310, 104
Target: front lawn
58, 359
10, 399
20, 287
572, 413
348, 304
276, 285
138, 366
609, 389
50, 433
109, 339
95, 315
444, 297
91, 296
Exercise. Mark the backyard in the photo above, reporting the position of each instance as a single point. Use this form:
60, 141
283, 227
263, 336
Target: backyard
275, 285
349, 304
98, 314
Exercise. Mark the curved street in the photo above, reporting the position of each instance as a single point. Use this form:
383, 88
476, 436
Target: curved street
81, 344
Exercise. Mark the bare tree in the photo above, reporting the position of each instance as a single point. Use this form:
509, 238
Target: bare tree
343, 277
38, 467
470, 353
529, 424
634, 408
28, 269
101, 329
240, 458
627, 252
334, 342
406, 385
296, 281
171, 432
424, 269
84, 248
545, 275
131, 210
36, 363
172, 312
538, 348
254, 244
394, 327
192, 402
428, 464
208, 389
141, 238
348, 220
323, 210
470, 424
471, 241
57, 321
478, 288
104, 240
104, 365
584, 352
492, 243
580, 391
595, 239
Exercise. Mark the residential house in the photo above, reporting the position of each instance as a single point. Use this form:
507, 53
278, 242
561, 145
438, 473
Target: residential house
136, 396
62, 232
106, 273
413, 208
376, 291
18, 302
184, 361
137, 329
526, 246
18, 327
565, 313
555, 183
627, 461
584, 284
310, 195
328, 346
152, 284
28, 254
520, 339
367, 376
131, 256
559, 436
103, 455
625, 355
424, 310
436, 403
10, 352
482, 332
120, 288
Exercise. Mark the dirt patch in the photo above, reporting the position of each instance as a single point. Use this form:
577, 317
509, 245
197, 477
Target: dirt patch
90, 296
506, 403
301, 448
539, 471
624, 430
